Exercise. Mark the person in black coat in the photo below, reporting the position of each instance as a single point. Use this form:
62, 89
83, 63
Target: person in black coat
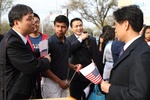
16, 77
84, 49
129, 79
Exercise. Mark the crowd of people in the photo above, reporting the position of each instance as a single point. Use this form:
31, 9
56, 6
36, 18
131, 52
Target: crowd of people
122, 57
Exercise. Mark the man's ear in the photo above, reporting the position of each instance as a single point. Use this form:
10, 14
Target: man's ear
16, 23
126, 25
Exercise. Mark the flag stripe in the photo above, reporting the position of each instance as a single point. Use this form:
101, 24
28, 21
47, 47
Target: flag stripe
91, 73
93, 78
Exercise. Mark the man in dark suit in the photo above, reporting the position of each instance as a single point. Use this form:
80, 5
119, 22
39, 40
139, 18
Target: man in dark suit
16, 74
84, 50
129, 78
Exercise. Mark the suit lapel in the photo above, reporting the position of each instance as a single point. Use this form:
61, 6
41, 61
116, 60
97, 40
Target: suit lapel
123, 56
128, 51
73, 37
13, 33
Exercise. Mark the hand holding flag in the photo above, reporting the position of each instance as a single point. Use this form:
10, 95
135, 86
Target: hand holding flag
79, 66
91, 73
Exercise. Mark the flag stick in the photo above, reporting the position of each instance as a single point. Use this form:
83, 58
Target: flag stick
72, 77
89, 84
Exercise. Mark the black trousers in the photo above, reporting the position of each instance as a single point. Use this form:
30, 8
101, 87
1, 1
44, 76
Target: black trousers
11, 94
77, 87
16, 96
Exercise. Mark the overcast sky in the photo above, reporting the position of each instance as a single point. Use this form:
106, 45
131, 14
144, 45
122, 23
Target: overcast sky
42, 7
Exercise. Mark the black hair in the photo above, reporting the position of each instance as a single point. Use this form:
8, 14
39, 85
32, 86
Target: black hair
144, 30
133, 14
36, 15
104, 30
62, 18
75, 19
17, 12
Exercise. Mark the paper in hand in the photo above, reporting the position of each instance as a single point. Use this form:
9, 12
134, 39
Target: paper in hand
43, 48
86, 91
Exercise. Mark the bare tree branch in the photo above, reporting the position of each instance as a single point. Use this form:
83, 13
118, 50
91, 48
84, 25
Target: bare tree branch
4, 6
94, 11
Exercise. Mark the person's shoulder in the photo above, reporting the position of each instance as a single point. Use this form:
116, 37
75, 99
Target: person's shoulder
92, 38
53, 38
13, 39
118, 43
45, 35
69, 38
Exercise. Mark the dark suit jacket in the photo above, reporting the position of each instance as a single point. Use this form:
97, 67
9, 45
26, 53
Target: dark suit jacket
81, 54
130, 76
21, 65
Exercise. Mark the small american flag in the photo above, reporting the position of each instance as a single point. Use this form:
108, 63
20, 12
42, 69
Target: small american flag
94, 76
91, 73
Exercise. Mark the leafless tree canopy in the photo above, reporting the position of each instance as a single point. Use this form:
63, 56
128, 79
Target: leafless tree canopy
4, 6
94, 11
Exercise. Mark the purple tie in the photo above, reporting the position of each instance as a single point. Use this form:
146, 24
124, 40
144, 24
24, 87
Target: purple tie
121, 52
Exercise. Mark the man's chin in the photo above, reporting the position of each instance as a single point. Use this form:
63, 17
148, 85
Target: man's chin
79, 33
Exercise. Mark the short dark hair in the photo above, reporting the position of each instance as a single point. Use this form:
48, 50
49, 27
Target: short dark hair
74, 19
133, 14
36, 15
144, 30
17, 12
62, 18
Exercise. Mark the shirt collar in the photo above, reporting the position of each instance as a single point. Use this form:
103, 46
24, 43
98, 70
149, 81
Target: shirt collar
58, 40
128, 43
21, 36
77, 35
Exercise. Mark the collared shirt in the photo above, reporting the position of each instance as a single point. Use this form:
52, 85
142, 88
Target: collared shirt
22, 37
79, 39
128, 43
59, 56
